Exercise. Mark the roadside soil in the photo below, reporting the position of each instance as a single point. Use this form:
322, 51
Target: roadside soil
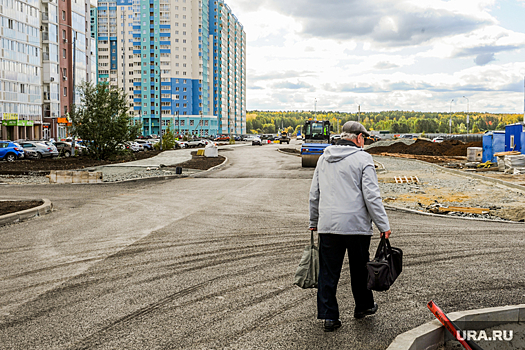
200, 162
8, 207
43, 166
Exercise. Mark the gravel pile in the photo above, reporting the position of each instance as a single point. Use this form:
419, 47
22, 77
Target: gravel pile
387, 143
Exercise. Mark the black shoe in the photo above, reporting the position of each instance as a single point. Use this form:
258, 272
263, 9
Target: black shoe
367, 312
331, 325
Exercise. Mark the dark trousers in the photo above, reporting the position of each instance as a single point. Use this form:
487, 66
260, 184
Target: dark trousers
332, 249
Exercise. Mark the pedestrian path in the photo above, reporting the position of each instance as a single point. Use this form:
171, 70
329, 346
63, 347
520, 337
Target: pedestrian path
170, 157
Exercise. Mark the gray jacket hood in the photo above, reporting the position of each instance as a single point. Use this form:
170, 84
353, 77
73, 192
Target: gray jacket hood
337, 153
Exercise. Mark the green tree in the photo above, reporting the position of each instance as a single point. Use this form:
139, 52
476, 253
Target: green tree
168, 139
102, 120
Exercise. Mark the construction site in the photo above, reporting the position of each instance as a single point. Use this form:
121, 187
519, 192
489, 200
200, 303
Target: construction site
450, 178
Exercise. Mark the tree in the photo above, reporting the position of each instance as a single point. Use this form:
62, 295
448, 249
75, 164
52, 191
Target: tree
102, 121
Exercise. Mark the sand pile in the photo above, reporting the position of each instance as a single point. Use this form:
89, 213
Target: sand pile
449, 148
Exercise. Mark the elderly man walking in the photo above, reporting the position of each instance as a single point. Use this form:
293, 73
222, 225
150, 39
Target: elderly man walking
344, 200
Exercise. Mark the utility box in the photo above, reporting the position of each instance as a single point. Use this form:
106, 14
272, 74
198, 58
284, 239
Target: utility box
523, 142
493, 142
513, 137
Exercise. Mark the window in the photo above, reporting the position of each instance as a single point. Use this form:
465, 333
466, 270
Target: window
65, 92
64, 53
64, 15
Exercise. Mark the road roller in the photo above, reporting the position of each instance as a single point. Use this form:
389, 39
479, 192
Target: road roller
316, 135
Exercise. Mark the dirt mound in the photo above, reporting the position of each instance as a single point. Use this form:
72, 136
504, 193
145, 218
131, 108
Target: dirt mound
451, 148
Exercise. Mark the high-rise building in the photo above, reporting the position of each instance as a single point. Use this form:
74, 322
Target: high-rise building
20, 69
229, 69
160, 52
45, 50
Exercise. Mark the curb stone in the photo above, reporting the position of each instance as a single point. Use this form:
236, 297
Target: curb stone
42, 209
431, 335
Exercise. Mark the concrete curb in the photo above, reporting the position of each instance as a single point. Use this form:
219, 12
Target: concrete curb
413, 211
431, 335
288, 153
43, 209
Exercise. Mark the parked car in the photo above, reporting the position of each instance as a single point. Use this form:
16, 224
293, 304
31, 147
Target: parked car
222, 138
438, 139
181, 144
299, 137
44, 151
334, 138
196, 143
134, 146
256, 141
65, 149
148, 146
30, 153
10, 151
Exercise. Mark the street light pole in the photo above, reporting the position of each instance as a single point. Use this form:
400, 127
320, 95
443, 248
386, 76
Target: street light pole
450, 120
468, 102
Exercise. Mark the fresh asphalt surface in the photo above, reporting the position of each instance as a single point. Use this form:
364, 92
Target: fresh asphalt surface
208, 263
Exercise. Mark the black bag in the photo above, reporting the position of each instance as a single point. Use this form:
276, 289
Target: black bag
386, 266
307, 273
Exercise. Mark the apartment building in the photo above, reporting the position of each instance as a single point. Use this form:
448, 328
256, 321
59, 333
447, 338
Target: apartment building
20, 69
45, 50
160, 52
229, 69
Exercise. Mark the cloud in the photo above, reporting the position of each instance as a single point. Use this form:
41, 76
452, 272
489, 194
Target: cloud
484, 58
280, 75
385, 22
385, 65
293, 86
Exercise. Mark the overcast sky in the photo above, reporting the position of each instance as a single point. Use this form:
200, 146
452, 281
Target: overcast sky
384, 54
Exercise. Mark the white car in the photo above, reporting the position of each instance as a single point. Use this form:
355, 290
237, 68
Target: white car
134, 146
196, 143
181, 144
438, 139
299, 137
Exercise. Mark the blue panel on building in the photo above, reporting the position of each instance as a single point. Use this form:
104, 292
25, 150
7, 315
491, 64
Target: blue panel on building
165, 42
513, 137
165, 51
165, 34
164, 26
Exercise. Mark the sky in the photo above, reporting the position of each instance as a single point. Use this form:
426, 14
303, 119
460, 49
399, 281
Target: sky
420, 55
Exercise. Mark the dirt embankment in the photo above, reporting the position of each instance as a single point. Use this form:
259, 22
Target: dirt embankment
449, 148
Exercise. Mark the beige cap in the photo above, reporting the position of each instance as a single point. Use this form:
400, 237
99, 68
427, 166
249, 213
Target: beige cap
355, 128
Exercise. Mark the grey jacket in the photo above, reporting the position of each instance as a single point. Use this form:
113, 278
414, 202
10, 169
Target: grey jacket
344, 196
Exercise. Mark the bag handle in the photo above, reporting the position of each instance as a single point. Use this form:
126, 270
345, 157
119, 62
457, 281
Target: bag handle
383, 247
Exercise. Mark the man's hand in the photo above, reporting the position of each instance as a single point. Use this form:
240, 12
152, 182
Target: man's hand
313, 228
386, 234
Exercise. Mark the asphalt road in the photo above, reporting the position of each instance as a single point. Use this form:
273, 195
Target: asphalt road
208, 263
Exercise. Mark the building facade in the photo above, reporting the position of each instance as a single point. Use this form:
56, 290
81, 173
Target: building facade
45, 50
160, 52
20, 69
229, 69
